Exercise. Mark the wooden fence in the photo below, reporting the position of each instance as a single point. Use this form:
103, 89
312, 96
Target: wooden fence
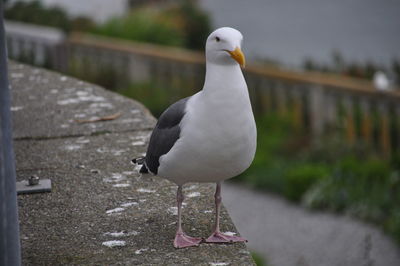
315, 102
34, 44
318, 103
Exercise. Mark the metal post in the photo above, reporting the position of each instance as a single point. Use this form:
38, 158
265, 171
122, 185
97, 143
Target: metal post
10, 250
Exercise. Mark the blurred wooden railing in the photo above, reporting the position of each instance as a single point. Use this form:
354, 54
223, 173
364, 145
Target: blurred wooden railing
315, 102
33, 43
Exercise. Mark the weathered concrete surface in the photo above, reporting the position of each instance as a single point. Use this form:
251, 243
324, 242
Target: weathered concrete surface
47, 105
97, 196
286, 234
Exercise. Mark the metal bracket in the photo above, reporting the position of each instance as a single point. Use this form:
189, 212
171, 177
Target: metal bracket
33, 185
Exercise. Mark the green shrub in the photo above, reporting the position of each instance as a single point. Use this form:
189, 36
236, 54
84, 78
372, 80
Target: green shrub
300, 178
34, 12
258, 259
194, 23
392, 225
183, 24
145, 25
368, 189
268, 170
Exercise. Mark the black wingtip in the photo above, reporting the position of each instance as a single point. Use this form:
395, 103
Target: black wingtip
139, 160
144, 169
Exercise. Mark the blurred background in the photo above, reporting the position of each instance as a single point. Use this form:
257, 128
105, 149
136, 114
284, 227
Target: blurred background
323, 76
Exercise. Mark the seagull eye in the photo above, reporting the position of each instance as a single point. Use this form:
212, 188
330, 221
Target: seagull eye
217, 39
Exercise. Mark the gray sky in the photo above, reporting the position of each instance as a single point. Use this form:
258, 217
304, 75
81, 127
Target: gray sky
291, 30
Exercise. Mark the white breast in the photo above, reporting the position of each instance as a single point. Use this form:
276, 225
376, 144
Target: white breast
218, 137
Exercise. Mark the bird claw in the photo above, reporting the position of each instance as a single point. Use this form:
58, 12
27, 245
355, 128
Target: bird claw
218, 237
182, 241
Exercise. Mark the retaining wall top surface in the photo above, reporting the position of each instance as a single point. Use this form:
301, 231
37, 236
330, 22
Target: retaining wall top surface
100, 210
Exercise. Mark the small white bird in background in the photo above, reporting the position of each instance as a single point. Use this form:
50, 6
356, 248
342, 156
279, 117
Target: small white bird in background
381, 81
210, 136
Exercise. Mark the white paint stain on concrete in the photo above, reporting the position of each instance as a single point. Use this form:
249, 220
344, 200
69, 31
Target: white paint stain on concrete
128, 172
193, 194
135, 111
118, 152
114, 243
72, 147
115, 234
130, 120
122, 185
115, 152
82, 140
173, 210
121, 234
128, 204
79, 115
101, 105
140, 251
16, 108
117, 177
82, 96
138, 143
145, 190
116, 210
17, 75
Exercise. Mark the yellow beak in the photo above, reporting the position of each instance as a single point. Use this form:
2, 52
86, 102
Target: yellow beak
238, 55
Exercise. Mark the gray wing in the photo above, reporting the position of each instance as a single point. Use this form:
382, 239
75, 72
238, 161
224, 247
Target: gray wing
165, 134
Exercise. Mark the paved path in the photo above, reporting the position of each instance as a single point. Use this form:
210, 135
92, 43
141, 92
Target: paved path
288, 235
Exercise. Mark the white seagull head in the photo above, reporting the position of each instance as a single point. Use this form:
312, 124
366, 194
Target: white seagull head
223, 47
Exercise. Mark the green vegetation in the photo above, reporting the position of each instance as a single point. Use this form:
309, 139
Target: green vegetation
144, 24
258, 259
34, 12
182, 24
178, 25
194, 23
326, 175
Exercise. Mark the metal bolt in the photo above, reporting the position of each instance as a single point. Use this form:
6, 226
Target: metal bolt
33, 180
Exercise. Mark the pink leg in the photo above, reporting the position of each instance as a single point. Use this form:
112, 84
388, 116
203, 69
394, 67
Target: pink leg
181, 239
217, 236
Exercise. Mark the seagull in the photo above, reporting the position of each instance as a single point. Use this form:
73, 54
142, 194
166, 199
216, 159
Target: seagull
208, 137
381, 81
